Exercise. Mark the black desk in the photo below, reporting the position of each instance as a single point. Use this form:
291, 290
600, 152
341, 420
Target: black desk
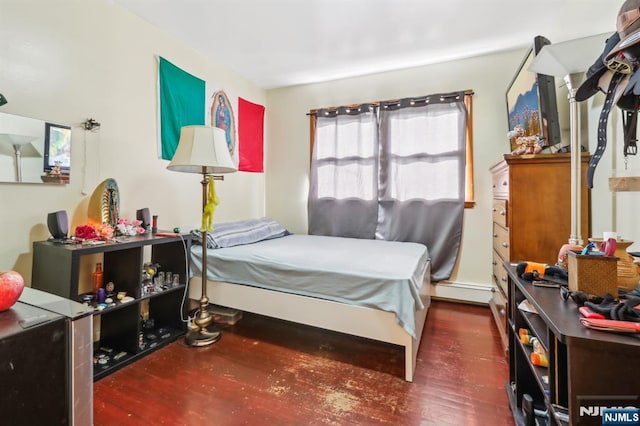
588, 369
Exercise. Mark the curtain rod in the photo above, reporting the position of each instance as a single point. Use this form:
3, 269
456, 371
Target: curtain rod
467, 92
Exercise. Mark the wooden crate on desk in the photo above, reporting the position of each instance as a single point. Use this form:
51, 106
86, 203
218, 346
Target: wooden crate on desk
596, 275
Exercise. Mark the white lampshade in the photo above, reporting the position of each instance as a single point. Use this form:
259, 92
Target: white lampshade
202, 149
569, 58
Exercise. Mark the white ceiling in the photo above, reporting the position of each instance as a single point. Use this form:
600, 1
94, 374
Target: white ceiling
277, 43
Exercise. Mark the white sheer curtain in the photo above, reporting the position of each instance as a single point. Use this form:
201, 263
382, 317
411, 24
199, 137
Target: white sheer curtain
394, 172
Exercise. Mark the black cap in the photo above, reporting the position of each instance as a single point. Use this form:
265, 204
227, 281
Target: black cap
590, 86
628, 26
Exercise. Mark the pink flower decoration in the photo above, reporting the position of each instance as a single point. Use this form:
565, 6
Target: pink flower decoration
106, 231
129, 227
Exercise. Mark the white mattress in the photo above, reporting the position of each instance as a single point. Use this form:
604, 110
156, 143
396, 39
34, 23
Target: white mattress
385, 275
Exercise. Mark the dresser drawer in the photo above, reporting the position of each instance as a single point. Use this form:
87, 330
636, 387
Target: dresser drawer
499, 212
498, 306
501, 183
500, 302
499, 273
501, 241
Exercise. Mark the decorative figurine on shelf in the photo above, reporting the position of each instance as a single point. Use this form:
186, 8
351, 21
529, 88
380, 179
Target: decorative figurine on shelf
56, 174
110, 287
104, 203
146, 280
532, 144
55, 170
149, 271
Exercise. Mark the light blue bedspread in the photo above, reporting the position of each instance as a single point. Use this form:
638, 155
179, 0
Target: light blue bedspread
385, 275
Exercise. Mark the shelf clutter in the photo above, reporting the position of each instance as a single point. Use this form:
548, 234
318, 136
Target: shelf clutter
108, 359
582, 369
134, 312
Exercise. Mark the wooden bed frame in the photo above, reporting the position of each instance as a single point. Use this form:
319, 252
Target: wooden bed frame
356, 320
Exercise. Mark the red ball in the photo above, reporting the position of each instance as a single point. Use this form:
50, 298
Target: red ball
11, 286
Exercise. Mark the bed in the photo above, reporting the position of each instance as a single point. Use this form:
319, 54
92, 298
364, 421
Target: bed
368, 288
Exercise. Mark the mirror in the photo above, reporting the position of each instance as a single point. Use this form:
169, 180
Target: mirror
34, 151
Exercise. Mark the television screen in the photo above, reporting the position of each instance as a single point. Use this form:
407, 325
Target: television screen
531, 107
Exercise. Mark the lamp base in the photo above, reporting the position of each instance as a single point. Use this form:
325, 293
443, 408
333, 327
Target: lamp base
202, 336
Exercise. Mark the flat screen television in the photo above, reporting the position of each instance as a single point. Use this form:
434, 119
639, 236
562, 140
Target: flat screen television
531, 104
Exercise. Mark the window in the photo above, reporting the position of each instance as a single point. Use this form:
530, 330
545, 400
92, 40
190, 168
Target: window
348, 149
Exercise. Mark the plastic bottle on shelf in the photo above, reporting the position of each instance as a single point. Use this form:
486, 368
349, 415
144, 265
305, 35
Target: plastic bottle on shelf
539, 359
98, 278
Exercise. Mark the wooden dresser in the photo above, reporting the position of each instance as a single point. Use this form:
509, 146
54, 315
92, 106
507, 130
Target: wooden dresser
531, 216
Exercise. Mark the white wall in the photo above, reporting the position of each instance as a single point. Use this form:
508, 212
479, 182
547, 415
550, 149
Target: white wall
488, 76
68, 60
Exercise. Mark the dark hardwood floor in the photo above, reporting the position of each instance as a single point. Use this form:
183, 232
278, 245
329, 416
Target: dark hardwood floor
270, 372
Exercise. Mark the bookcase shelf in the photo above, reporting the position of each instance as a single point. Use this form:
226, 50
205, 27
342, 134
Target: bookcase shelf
123, 331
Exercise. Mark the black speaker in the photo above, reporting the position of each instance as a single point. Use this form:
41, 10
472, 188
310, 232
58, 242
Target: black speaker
58, 224
145, 216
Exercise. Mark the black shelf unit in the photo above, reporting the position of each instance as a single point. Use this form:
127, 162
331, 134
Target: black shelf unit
586, 367
129, 330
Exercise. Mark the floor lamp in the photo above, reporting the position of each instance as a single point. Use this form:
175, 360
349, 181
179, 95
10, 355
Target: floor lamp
203, 150
569, 60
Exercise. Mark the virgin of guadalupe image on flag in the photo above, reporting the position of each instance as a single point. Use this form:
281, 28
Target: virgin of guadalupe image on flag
222, 117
